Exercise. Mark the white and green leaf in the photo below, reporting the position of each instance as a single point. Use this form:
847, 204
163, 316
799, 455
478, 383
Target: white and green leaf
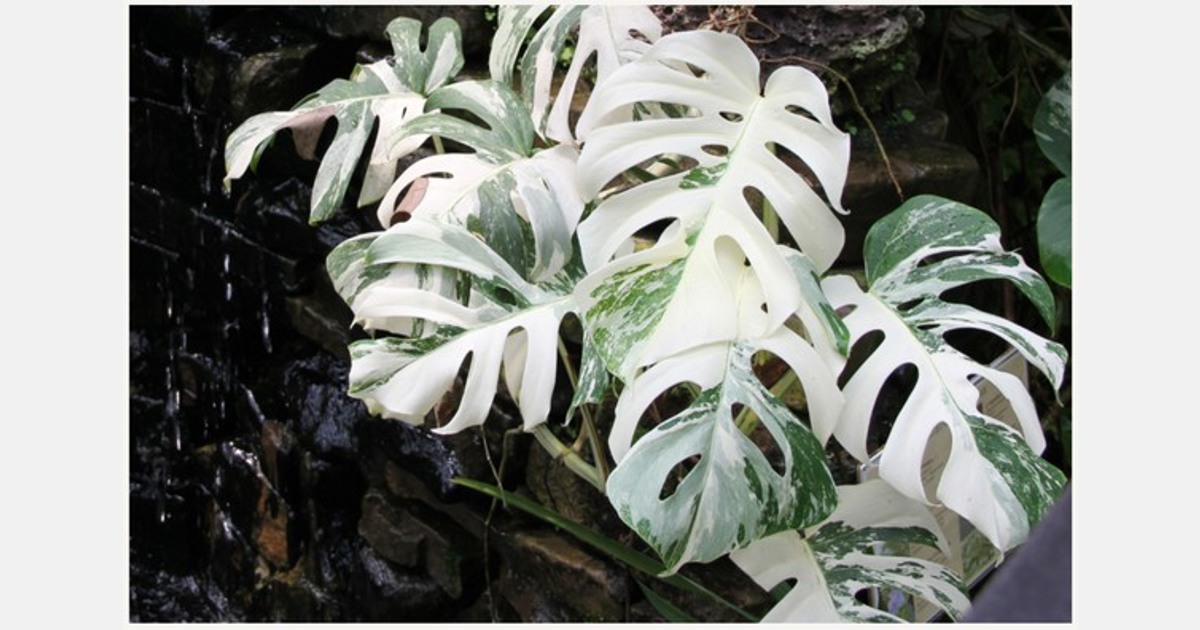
1052, 124
852, 551
993, 475
613, 35
733, 495
523, 202
731, 132
390, 92
514, 22
509, 324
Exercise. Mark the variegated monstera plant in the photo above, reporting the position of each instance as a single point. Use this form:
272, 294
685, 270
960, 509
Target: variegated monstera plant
653, 219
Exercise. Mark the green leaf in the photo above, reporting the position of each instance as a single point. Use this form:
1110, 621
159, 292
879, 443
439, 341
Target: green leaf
594, 381
1003, 486
1052, 124
733, 495
669, 611
1054, 232
854, 549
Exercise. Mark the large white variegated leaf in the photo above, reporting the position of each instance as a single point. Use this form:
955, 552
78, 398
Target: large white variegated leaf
615, 35
850, 552
646, 305
733, 495
511, 324
523, 202
356, 282
731, 130
389, 92
993, 476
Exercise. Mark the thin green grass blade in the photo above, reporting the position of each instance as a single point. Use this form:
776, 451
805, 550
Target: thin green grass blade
612, 548
669, 611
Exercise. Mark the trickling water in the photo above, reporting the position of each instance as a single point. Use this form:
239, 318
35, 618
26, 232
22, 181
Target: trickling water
228, 279
265, 315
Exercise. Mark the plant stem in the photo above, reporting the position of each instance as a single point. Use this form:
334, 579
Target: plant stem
587, 425
569, 458
437, 145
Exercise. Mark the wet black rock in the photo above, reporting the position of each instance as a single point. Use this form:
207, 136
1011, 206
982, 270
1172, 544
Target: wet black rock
370, 22
327, 416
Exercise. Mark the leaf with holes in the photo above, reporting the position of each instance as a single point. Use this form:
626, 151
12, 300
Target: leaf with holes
733, 494
522, 201
508, 323
614, 34
733, 131
389, 92
993, 476
840, 558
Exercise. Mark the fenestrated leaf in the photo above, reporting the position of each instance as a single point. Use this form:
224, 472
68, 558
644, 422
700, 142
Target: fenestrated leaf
423, 72
731, 131
382, 91
852, 551
404, 377
1054, 232
732, 496
1001, 488
540, 58
426, 70
523, 203
615, 35
1052, 124
816, 312
512, 30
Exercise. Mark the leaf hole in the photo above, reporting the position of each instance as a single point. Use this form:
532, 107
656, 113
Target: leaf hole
801, 112
467, 116
797, 164
732, 116
716, 150
770, 448
445, 408
633, 33
860, 351
678, 473
892, 396
940, 441
782, 589
658, 109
